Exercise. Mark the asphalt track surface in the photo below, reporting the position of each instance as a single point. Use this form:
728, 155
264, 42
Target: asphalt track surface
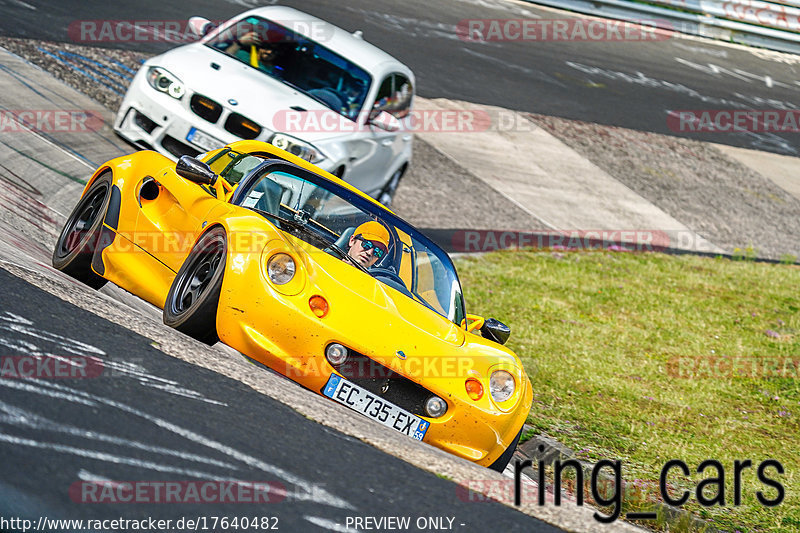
147, 417
632, 84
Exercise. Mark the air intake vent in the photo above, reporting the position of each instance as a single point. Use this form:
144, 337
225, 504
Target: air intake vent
143, 122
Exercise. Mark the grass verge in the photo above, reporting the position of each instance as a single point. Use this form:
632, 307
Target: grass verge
649, 357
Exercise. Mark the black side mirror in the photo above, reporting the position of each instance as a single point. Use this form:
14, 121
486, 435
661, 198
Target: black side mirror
195, 171
496, 331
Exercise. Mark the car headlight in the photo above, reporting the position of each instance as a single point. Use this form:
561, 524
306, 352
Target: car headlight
281, 269
297, 147
501, 385
164, 81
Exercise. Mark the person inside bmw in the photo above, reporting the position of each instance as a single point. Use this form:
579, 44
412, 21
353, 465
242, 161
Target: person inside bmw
370, 242
250, 48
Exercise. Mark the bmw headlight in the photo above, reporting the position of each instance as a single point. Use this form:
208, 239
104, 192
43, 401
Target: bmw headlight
501, 385
297, 147
281, 269
164, 81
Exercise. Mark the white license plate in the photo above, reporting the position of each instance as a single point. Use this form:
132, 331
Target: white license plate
361, 400
204, 140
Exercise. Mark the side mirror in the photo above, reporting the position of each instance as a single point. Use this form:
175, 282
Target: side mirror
195, 171
385, 121
496, 331
200, 26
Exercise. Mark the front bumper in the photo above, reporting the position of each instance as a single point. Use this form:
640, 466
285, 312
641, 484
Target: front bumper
152, 120
282, 333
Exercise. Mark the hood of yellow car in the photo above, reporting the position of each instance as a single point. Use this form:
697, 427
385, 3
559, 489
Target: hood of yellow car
369, 308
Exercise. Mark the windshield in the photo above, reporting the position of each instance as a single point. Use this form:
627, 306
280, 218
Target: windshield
339, 222
297, 61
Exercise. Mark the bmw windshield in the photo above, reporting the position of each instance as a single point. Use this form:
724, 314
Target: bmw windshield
297, 61
330, 218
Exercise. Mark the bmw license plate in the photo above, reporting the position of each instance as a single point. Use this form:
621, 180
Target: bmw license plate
204, 140
361, 400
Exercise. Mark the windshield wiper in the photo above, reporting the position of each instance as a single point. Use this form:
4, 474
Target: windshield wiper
343, 255
294, 225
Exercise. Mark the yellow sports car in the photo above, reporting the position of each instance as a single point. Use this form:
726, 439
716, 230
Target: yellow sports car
298, 270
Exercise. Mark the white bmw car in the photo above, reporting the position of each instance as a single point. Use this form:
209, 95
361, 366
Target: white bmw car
282, 76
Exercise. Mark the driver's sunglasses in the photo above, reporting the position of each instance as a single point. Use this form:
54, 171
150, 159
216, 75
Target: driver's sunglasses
369, 245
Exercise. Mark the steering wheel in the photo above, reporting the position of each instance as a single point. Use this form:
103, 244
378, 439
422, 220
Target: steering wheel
331, 98
386, 273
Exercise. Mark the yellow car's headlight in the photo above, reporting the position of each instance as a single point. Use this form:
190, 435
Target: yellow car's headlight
501, 385
281, 269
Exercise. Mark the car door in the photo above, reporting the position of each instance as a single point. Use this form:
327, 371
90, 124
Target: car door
395, 95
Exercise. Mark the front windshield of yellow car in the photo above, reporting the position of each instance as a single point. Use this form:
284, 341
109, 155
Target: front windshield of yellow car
297, 61
325, 216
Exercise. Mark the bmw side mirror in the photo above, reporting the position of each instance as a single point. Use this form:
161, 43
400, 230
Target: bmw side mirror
496, 331
200, 26
195, 171
385, 121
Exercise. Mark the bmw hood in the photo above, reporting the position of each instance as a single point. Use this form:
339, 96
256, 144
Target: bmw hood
242, 89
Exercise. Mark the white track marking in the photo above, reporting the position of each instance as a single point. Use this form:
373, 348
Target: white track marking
308, 490
107, 457
19, 417
330, 525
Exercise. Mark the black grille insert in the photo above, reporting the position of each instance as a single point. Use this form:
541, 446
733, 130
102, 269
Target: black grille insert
205, 108
242, 126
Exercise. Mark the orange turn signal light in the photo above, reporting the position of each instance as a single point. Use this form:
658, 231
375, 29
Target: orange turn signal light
318, 305
474, 389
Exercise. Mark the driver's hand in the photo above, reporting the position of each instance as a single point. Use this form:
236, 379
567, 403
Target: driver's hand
250, 38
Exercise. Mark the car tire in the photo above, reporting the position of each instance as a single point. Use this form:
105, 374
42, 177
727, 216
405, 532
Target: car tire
387, 193
501, 462
80, 236
192, 301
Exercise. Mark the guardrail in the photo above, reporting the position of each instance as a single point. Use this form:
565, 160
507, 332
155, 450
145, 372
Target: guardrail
773, 25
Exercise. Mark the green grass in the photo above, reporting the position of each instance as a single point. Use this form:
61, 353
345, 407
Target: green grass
599, 334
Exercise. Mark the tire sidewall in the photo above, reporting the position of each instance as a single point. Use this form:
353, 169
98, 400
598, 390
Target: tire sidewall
199, 319
83, 252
